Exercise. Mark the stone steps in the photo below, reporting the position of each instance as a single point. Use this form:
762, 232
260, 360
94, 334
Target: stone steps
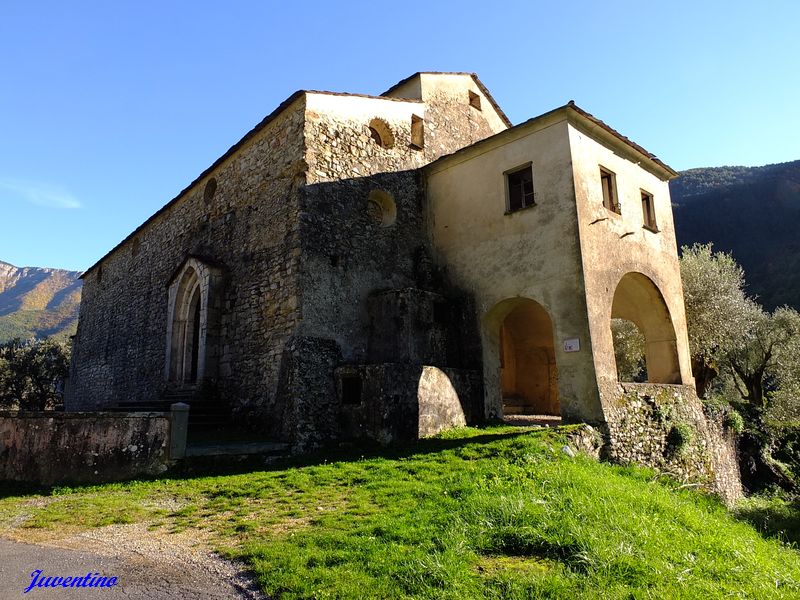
202, 413
225, 457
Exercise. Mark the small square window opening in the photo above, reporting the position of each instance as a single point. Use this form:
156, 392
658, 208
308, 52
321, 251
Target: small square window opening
440, 313
474, 100
520, 189
351, 389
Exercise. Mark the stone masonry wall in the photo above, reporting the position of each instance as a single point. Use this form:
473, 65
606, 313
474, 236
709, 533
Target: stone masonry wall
49, 448
310, 415
350, 253
664, 427
248, 228
347, 253
452, 124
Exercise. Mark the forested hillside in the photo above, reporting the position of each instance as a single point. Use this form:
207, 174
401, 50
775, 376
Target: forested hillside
37, 302
751, 212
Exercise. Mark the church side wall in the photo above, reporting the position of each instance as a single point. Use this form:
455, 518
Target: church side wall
249, 229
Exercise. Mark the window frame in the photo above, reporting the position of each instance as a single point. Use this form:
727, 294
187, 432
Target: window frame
611, 204
474, 100
507, 181
649, 220
417, 132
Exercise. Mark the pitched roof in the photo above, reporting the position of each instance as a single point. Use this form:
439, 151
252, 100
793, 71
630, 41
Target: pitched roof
590, 117
261, 125
232, 150
474, 76
584, 117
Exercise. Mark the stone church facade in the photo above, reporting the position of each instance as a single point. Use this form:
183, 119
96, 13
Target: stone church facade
387, 266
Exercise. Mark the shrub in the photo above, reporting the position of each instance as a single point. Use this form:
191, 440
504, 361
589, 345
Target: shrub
679, 437
734, 421
32, 374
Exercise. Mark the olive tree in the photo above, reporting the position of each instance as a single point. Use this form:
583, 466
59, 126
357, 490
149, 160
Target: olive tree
765, 364
629, 350
717, 310
747, 358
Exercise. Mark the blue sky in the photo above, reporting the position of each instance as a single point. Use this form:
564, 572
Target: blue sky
109, 109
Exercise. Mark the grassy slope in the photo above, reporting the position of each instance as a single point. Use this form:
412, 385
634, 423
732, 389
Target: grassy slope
494, 513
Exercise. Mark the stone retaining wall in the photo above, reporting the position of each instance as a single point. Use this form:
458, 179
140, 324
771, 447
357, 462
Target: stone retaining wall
664, 427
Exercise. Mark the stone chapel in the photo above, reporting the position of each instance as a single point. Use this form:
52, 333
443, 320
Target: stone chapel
384, 267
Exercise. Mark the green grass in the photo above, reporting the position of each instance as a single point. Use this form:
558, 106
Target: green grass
492, 513
774, 516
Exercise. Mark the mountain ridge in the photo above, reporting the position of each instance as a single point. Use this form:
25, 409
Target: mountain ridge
698, 180
38, 302
754, 214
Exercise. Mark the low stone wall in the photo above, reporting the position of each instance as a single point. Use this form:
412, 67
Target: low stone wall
664, 427
53, 447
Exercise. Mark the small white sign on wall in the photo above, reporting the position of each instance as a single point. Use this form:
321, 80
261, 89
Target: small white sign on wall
572, 345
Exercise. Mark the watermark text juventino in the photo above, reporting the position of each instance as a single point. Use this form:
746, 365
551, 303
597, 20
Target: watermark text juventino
90, 580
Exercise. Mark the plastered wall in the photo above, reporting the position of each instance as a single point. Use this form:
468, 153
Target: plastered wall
530, 254
613, 245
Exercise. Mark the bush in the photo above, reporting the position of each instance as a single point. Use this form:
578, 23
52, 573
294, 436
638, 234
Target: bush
734, 421
679, 437
32, 374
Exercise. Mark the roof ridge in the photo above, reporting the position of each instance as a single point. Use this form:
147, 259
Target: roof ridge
351, 94
484, 90
580, 112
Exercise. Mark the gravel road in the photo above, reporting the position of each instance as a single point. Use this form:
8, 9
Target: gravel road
148, 565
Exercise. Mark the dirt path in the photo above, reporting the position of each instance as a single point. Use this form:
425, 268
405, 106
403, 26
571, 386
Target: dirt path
147, 564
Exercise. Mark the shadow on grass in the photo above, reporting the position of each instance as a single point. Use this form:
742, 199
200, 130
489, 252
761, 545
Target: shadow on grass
346, 452
209, 466
773, 517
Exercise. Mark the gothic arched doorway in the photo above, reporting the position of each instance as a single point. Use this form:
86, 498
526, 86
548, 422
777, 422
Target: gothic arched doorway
185, 329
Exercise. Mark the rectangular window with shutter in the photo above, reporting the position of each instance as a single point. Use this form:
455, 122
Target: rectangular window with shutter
519, 189
649, 211
609, 185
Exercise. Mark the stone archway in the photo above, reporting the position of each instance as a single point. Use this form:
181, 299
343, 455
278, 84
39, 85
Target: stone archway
528, 370
192, 321
637, 299
185, 330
